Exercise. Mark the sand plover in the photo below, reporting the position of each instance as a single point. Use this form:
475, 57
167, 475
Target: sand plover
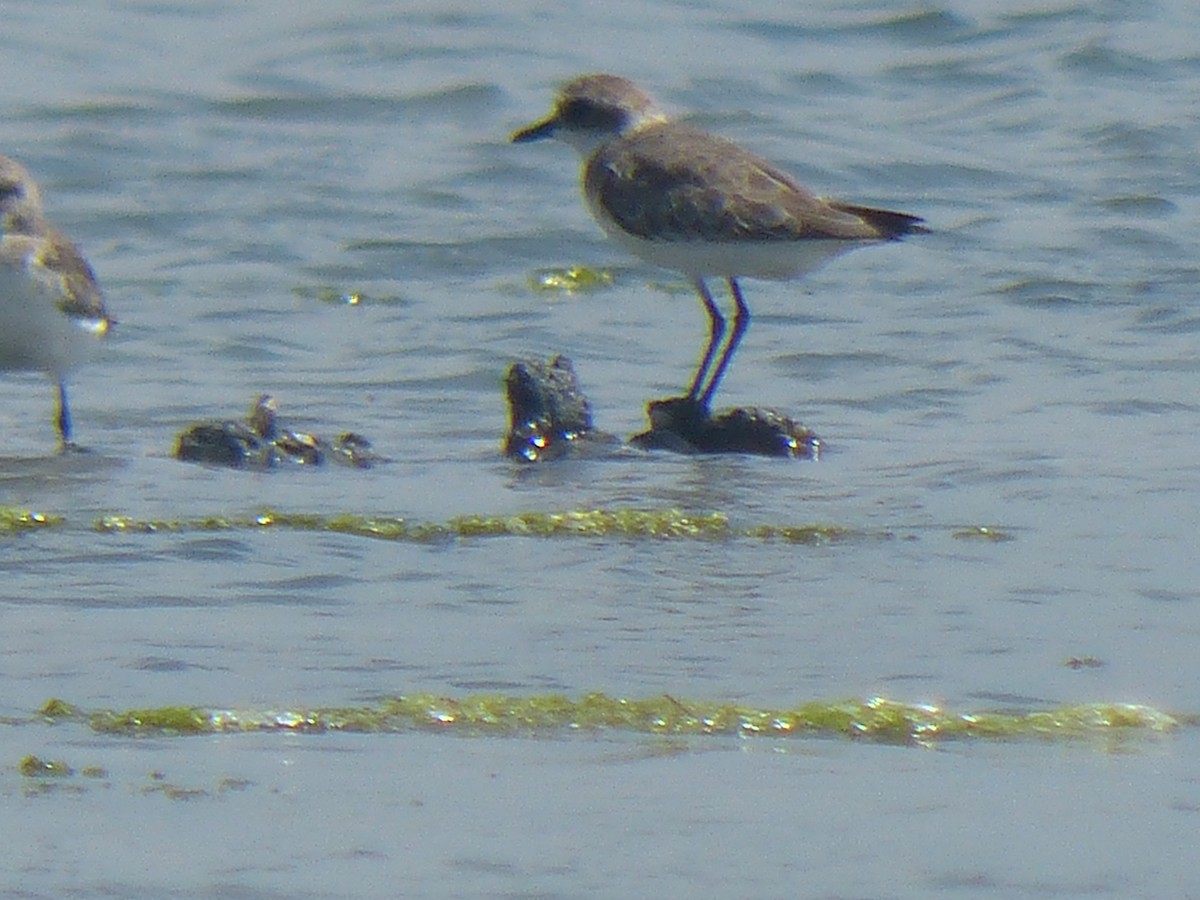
687, 200
51, 309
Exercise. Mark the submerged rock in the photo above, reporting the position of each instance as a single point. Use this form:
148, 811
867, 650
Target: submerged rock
684, 426
548, 415
259, 443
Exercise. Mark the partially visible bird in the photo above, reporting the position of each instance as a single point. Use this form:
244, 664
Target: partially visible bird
51, 309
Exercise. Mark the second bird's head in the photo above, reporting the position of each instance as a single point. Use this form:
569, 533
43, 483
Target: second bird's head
592, 109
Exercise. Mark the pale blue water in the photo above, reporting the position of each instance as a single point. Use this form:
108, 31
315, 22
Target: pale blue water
1031, 366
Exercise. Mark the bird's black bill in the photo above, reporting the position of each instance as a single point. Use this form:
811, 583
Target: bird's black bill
535, 132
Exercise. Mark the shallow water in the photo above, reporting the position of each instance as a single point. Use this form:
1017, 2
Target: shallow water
236, 171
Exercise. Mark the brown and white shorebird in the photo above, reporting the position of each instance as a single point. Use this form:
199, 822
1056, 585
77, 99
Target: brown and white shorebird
51, 309
687, 200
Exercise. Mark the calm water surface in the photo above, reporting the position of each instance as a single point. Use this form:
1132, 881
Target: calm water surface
233, 170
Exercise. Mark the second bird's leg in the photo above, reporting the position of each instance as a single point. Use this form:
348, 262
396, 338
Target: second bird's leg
741, 321
716, 323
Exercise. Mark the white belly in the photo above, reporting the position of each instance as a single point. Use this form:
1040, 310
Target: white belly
775, 260
35, 334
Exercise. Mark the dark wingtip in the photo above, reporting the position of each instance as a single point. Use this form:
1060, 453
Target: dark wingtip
890, 225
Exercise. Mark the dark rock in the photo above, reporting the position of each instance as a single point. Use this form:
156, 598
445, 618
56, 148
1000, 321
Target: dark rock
683, 425
229, 444
354, 449
259, 443
548, 415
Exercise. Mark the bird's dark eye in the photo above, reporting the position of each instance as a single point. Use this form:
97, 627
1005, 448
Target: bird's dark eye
9, 189
583, 114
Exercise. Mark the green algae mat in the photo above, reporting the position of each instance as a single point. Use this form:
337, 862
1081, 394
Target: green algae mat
1109, 727
875, 719
593, 523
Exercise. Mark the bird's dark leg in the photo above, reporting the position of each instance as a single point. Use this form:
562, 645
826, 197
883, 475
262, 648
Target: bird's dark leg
63, 417
716, 323
741, 321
